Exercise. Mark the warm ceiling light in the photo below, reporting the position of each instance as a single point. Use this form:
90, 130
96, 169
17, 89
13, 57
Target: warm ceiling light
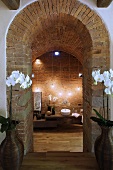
38, 61
57, 53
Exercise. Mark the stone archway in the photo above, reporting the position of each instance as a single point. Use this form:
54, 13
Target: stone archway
69, 26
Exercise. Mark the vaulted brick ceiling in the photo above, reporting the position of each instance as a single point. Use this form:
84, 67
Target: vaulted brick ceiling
60, 32
69, 26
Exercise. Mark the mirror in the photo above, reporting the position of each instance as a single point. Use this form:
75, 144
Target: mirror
37, 101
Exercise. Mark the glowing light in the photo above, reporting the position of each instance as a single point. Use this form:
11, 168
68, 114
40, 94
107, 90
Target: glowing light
57, 53
69, 94
60, 94
78, 88
52, 86
80, 74
33, 75
37, 90
38, 61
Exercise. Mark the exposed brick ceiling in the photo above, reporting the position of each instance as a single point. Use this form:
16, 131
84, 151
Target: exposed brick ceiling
69, 26
63, 33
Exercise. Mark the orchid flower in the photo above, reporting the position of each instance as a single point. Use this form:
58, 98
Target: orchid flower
106, 78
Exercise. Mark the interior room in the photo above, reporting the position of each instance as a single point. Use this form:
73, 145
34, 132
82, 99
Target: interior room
58, 99
59, 46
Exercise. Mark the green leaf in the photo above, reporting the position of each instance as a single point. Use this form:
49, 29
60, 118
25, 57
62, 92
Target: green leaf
3, 120
4, 127
98, 120
110, 123
99, 115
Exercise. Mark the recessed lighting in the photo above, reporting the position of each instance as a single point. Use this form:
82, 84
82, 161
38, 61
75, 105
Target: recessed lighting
57, 53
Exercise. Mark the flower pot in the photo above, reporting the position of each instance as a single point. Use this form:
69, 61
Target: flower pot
11, 151
104, 149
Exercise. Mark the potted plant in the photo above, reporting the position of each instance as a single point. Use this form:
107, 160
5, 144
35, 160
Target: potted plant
12, 148
107, 80
103, 145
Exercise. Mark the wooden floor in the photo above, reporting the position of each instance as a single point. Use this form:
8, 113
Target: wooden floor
46, 158
59, 161
63, 138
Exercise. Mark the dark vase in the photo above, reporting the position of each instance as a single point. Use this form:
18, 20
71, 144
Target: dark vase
49, 108
104, 149
11, 151
103, 3
53, 111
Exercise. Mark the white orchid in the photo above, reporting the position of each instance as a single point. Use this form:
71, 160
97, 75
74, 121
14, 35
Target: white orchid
106, 78
10, 81
108, 83
111, 72
27, 78
16, 77
25, 82
107, 91
15, 74
21, 78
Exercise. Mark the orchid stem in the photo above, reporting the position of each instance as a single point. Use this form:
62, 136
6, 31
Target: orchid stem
107, 108
103, 105
10, 105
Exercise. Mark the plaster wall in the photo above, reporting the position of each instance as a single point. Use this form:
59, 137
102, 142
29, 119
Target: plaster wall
6, 16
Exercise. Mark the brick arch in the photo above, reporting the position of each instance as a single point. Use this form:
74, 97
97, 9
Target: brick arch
69, 26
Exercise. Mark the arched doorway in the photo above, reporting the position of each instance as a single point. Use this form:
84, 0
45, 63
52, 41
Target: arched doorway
71, 27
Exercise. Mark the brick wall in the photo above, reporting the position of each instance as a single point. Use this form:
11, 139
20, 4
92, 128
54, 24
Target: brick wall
68, 26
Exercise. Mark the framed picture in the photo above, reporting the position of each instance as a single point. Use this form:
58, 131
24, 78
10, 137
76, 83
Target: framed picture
37, 100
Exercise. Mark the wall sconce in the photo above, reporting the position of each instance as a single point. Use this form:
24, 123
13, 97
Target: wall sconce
78, 88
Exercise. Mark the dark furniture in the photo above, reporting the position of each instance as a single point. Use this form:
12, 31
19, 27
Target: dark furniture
56, 120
